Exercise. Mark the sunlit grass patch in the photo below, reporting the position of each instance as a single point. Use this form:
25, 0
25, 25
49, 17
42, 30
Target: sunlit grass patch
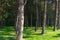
8, 33
49, 34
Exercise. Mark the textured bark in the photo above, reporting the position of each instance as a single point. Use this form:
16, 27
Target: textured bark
56, 15
20, 17
44, 16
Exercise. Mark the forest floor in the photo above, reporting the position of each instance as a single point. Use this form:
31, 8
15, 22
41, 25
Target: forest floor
8, 33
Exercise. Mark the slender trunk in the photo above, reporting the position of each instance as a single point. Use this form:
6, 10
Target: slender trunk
56, 15
44, 16
59, 14
26, 21
36, 15
16, 25
31, 20
48, 21
59, 20
16, 17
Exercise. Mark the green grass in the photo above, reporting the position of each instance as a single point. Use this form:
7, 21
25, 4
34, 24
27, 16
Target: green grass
8, 33
30, 34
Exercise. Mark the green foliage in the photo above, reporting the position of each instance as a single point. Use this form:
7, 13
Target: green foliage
7, 11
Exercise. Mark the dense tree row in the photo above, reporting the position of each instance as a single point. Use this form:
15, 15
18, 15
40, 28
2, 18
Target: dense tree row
8, 10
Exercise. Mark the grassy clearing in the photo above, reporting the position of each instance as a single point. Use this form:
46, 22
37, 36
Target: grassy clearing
8, 33
30, 34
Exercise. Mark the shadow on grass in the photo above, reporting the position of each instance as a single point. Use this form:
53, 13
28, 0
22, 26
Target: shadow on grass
7, 33
7, 38
58, 35
30, 35
27, 36
7, 29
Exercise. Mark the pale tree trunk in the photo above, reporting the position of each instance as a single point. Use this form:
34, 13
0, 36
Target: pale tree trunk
16, 25
44, 16
56, 15
20, 18
20, 22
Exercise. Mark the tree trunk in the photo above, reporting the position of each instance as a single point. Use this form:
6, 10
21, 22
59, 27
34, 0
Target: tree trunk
59, 20
44, 16
31, 20
56, 15
26, 21
20, 17
36, 15
59, 14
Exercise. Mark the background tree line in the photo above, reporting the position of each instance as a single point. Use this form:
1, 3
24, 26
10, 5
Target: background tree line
8, 12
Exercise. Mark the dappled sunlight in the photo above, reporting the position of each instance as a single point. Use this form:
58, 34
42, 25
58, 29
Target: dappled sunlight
1, 31
7, 33
30, 34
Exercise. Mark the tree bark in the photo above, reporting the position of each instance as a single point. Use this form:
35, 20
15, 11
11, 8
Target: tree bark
56, 15
44, 16
20, 17
59, 14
